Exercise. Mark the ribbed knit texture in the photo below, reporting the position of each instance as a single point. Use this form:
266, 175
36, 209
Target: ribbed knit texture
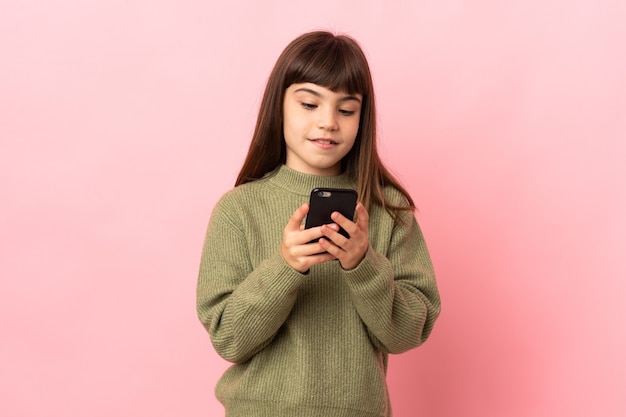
316, 344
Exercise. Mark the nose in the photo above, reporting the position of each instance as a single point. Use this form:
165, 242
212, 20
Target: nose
328, 120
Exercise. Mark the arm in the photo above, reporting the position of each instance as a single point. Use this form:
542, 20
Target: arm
396, 295
241, 308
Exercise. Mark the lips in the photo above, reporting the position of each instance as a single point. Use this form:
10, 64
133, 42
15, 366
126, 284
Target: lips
324, 141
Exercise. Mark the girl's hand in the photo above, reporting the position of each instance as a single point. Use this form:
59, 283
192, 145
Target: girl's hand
350, 252
296, 248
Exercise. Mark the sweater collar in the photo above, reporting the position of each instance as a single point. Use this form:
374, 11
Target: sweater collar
300, 183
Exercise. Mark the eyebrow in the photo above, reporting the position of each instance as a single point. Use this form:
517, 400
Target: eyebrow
317, 94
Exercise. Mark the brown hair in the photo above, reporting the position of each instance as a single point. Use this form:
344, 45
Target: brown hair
339, 64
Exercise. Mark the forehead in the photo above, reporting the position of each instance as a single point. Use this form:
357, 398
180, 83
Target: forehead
322, 92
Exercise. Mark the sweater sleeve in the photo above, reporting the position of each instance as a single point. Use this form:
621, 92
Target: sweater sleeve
397, 296
242, 308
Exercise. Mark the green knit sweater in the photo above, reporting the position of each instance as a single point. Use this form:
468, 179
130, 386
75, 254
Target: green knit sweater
316, 344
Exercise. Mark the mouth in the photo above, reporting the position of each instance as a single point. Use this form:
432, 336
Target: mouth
324, 141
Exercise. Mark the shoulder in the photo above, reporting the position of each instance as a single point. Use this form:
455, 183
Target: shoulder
243, 193
398, 201
231, 204
397, 208
395, 196
392, 197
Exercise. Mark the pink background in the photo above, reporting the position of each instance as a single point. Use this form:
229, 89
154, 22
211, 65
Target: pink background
122, 122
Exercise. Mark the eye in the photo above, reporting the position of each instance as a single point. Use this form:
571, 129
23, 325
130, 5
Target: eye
347, 112
308, 106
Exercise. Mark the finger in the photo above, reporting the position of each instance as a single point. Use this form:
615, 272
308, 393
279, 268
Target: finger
331, 248
341, 220
362, 216
334, 236
322, 257
306, 249
297, 217
310, 235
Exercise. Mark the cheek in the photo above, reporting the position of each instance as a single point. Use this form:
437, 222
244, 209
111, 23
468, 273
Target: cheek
293, 124
354, 128
354, 132
351, 135
288, 126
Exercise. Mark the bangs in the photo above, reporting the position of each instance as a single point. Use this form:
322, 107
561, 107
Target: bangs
334, 63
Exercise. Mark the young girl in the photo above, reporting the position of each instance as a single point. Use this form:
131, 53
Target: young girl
309, 326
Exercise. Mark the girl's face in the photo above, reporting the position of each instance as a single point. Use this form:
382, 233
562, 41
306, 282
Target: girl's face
320, 127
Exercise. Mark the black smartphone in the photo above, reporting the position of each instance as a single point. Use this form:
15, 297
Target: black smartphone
324, 201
